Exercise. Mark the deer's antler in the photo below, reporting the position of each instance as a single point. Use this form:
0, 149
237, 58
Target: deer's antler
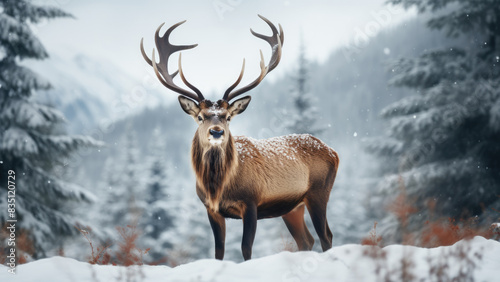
276, 42
165, 49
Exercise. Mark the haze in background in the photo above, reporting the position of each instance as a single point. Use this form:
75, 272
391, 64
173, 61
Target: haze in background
96, 64
111, 30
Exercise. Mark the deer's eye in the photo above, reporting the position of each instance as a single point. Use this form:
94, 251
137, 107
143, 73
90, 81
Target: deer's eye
229, 118
200, 118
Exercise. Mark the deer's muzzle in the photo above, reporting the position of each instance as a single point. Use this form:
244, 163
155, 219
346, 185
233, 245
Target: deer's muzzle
216, 133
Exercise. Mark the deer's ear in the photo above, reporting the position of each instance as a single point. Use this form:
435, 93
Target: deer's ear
189, 106
239, 106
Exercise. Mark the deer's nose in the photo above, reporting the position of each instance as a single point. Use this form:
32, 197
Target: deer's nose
216, 133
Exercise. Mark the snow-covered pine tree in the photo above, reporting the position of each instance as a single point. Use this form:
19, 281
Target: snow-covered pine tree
443, 143
158, 218
33, 144
303, 117
192, 236
125, 178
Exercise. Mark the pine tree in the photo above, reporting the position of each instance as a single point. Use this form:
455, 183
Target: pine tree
33, 144
192, 235
304, 114
158, 218
443, 143
124, 202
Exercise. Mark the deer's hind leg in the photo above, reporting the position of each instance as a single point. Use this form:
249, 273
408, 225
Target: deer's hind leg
294, 221
316, 202
317, 210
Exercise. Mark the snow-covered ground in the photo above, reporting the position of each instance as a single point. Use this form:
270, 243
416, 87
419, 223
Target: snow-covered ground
343, 263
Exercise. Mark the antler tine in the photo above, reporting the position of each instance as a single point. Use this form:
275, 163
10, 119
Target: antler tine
148, 60
172, 86
165, 49
276, 42
198, 92
226, 94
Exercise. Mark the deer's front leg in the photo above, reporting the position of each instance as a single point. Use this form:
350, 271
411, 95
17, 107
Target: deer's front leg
249, 229
218, 224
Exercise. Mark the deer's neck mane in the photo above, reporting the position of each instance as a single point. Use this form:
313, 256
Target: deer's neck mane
214, 167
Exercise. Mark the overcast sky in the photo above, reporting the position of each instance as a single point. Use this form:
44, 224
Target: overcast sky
111, 31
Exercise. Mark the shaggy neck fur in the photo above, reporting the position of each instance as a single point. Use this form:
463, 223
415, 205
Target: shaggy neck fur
214, 167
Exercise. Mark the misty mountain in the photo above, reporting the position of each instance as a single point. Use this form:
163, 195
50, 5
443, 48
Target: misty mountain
90, 91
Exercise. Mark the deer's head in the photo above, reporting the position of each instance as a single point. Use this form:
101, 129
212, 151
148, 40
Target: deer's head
213, 118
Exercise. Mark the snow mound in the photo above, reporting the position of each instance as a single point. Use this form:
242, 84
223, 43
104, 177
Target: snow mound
344, 263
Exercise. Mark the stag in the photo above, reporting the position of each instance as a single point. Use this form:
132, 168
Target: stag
244, 178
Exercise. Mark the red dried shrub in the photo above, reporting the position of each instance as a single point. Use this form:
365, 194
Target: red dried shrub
448, 232
434, 233
25, 246
402, 206
287, 245
372, 239
99, 255
128, 252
